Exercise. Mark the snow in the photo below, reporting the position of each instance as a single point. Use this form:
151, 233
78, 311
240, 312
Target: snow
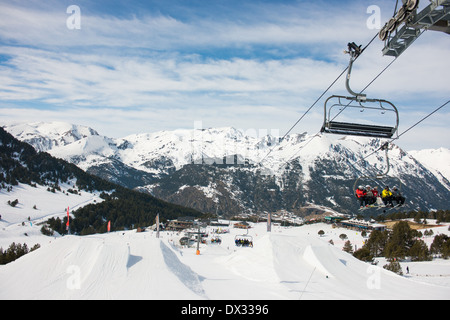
435, 160
289, 263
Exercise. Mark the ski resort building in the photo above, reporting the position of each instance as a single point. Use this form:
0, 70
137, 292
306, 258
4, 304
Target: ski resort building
334, 219
180, 224
362, 225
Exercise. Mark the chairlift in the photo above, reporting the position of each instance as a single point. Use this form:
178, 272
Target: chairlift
365, 180
243, 241
362, 103
216, 240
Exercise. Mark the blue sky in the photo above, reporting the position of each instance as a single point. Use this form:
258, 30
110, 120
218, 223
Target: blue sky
145, 66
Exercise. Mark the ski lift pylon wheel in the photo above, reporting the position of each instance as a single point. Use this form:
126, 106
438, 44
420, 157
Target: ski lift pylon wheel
383, 33
401, 15
412, 5
392, 24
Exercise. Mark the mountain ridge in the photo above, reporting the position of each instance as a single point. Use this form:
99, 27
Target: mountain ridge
220, 169
21, 164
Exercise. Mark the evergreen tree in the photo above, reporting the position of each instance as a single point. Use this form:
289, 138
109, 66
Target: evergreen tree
400, 241
441, 246
348, 247
394, 266
419, 251
377, 243
363, 254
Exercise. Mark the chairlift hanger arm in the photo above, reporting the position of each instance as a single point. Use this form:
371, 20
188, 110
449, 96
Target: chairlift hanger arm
354, 51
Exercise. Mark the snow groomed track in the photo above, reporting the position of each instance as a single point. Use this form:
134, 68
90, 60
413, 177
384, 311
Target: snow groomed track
289, 264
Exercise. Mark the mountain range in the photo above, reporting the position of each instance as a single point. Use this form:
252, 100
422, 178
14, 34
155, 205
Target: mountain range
228, 171
37, 185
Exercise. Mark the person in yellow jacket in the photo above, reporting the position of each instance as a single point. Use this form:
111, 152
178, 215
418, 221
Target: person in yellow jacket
386, 196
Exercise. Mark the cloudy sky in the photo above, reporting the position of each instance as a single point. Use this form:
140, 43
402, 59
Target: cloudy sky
125, 67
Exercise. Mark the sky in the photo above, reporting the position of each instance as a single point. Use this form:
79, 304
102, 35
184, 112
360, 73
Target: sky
127, 67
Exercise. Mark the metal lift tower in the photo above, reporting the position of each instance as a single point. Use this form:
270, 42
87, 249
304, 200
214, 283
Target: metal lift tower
407, 24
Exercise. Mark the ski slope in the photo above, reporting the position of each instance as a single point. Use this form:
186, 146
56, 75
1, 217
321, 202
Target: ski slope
36, 205
286, 264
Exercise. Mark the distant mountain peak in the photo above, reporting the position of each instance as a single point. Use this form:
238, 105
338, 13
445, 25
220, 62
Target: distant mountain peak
239, 166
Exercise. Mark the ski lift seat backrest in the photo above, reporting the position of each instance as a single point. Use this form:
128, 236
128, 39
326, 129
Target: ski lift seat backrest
359, 129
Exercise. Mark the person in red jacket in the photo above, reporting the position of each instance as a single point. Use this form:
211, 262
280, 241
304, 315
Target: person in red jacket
361, 195
375, 191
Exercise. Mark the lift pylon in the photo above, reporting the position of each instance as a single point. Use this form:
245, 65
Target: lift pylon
407, 25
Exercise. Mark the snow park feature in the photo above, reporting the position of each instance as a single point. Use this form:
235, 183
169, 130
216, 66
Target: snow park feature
289, 263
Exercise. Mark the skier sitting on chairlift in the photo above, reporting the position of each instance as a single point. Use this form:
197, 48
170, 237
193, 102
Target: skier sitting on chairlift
386, 196
377, 196
361, 195
397, 197
370, 196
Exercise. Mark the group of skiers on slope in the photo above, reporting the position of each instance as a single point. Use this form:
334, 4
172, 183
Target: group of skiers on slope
369, 196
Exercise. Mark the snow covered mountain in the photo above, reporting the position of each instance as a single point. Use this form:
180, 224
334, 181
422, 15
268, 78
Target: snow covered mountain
230, 171
435, 160
35, 187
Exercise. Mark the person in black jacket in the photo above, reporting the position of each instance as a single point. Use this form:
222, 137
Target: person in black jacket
398, 197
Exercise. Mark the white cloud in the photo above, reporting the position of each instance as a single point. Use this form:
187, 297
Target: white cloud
151, 72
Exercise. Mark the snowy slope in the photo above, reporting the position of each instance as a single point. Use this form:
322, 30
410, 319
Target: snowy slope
45, 136
36, 205
435, 160
288, 264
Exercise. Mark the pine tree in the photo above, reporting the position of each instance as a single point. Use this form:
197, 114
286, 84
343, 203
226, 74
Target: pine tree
394, 266
441, 246
363, 254
419, 251
348, 247
400, 241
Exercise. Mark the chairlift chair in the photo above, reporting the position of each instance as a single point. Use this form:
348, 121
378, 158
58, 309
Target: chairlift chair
243, 241
380, 177
216, 240
358, 101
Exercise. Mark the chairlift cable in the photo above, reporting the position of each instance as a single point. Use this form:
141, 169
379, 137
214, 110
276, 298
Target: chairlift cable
365, 88
306, 112
421, 120
411, 127
320, 97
